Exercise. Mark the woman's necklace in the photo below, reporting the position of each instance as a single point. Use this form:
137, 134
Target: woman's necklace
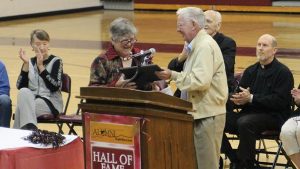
127, 63
126, 58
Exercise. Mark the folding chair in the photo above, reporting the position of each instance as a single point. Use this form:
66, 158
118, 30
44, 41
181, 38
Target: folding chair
262, 149
272, 135
72, 120
50, 118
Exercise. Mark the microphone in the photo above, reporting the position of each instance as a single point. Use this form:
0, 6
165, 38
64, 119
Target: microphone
144, 53
146, 56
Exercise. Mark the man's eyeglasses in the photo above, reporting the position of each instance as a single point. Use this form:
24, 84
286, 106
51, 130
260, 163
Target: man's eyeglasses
127, 41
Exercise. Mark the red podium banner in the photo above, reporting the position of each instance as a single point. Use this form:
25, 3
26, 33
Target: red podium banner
112, 141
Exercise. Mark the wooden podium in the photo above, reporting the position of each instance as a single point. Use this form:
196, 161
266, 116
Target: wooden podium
166, 133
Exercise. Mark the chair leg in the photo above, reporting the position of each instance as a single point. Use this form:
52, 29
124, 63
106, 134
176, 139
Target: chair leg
265, 148
71, 128
221, 163
259, 150
60, 125
277, 154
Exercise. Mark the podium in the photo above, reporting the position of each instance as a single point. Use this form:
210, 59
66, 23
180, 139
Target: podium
165, 130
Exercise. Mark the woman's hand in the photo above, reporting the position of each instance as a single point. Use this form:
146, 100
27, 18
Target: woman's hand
155, 87
22, 56
39, 58
122, 83
25, 59
159, 85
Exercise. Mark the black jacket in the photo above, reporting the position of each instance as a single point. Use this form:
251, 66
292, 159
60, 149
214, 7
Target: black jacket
271, 88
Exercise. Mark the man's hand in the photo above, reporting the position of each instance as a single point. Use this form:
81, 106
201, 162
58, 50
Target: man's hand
242, 97
164, 74
296, 95
183, 55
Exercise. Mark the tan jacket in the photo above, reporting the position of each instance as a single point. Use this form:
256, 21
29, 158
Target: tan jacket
204, 77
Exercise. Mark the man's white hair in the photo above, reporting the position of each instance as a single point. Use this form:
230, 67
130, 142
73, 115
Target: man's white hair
192, 13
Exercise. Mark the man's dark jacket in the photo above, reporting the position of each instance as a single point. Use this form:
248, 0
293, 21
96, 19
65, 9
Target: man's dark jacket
271, 88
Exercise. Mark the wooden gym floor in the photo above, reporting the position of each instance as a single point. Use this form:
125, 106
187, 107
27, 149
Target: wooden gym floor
79, 37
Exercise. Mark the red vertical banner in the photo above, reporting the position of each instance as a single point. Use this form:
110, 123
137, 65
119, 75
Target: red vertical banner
112, 141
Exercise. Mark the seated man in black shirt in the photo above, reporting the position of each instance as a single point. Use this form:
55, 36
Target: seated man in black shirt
265, 101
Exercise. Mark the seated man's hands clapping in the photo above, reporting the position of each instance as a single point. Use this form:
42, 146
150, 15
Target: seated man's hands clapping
242, 97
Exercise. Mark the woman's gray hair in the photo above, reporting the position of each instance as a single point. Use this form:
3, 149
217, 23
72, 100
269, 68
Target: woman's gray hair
40, 34
194, 14
121, 27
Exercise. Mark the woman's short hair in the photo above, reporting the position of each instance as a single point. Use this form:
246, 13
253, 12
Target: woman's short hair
194, 14
121, 27
39, 34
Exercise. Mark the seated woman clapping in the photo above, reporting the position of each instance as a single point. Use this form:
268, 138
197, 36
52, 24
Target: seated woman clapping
39, 83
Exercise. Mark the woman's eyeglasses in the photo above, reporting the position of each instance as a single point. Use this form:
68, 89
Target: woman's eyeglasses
127, 41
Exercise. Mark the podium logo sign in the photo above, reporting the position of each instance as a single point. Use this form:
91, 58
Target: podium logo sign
112, 141
106, 158
112, 133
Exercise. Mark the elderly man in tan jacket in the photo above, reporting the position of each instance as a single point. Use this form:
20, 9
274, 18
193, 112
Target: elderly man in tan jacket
202, 82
